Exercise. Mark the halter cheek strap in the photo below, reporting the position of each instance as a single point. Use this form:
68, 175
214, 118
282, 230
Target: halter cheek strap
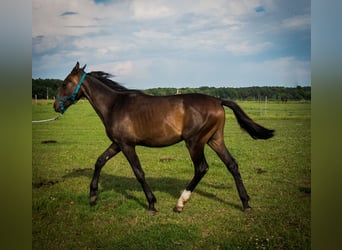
71, 97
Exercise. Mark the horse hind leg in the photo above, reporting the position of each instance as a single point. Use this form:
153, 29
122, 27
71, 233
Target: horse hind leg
201, 167
221, 150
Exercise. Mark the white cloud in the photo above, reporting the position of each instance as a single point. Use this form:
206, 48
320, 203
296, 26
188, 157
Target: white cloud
124, 71
247, 47
41, 44
48, 18
137, 39
152, 35
151, 9
104, 44
278, 71
202, 23
297, 22
114, 68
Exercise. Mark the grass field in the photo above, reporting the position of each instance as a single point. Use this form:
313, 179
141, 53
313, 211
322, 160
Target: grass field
276, 173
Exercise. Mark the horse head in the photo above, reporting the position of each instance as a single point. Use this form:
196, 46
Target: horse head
70, 91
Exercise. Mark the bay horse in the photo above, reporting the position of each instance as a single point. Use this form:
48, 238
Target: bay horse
133, 118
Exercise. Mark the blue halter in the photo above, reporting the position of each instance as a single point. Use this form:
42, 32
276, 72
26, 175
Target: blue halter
71, 97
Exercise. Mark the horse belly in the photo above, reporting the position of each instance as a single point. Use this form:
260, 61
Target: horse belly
163, 129
153, 122
160, 135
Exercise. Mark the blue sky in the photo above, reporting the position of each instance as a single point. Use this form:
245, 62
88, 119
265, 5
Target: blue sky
179, 43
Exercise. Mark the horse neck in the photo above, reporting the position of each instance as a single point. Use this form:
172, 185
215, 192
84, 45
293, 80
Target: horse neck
100, 96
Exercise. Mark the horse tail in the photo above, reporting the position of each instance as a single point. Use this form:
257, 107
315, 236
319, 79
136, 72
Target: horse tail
255, 130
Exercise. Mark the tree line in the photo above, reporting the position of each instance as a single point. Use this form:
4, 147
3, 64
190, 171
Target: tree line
47, 88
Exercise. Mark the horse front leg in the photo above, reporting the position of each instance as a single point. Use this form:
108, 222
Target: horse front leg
133, 160
111, 151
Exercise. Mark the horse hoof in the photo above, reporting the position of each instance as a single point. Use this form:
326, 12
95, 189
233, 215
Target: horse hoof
248, 210
152, 212
178, 209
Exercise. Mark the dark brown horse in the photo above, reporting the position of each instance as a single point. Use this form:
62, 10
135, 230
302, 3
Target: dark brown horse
133, 118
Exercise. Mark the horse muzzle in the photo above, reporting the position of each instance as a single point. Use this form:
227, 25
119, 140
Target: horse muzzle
58, 107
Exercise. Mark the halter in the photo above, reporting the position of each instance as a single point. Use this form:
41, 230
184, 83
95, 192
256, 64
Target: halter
71, 97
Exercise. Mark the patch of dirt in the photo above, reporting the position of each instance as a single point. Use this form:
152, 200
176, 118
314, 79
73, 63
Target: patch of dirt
305, 190
44, 183
260, 171
49, 141
166, 159
81, 170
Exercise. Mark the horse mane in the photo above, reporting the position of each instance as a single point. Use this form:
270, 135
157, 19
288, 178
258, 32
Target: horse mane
104, 78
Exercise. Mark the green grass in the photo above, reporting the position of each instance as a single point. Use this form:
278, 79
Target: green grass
276, 173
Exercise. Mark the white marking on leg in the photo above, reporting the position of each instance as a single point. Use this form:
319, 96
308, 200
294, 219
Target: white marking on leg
185, 196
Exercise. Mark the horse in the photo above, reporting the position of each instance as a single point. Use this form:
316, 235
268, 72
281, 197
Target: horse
132, 118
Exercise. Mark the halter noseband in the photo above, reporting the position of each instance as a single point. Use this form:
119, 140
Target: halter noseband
71, 97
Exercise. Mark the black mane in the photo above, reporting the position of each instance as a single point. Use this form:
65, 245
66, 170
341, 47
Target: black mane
104, 78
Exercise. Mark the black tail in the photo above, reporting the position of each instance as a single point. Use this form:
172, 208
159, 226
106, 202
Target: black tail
253, 129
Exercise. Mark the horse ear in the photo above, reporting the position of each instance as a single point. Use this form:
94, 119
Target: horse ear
85, 65
76, 68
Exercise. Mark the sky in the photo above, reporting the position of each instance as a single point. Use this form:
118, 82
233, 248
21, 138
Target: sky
179, 43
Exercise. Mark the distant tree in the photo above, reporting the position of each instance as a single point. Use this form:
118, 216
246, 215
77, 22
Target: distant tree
245, 93
40, 86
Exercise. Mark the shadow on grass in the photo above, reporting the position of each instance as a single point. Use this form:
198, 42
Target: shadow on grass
126, 185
